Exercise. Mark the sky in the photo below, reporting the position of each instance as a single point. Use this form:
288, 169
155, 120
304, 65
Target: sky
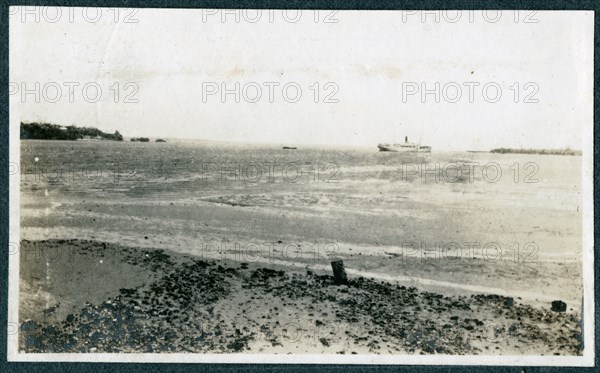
351, 78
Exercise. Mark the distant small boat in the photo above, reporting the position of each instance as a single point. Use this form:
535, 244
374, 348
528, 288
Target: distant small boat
290, 148
406, 147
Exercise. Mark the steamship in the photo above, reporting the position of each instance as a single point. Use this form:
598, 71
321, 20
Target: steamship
406, 147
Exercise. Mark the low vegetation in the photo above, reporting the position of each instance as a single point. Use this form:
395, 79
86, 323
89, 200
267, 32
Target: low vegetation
565, 151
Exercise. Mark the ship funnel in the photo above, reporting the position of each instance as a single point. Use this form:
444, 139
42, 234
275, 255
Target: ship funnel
405, 139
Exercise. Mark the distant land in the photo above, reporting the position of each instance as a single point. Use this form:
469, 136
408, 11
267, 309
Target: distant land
47, 131
565, 151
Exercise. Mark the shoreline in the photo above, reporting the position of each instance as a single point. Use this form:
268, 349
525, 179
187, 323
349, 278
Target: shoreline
103, 297
537, 282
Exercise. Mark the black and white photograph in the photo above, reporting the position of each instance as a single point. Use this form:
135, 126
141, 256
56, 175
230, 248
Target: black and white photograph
301, 186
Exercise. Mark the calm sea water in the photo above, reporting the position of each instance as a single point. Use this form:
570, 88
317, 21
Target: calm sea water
180, 166
312, 193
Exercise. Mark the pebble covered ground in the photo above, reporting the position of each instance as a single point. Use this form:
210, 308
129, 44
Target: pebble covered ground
182, 303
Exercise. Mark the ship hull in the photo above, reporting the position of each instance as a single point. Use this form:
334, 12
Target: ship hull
404, 149
386, 148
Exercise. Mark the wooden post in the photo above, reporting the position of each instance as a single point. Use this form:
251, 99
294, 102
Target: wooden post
339, 274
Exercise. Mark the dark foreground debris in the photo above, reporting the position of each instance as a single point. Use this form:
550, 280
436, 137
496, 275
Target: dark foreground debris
172, 311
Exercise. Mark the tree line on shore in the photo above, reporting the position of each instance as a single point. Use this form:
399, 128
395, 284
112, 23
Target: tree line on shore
48, 131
